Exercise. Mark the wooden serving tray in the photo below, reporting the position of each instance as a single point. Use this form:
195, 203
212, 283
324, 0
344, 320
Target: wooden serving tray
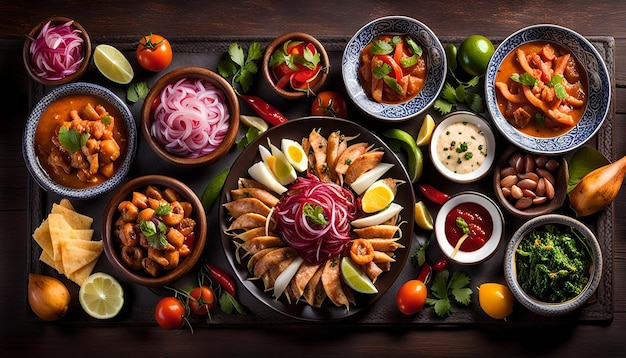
206, 52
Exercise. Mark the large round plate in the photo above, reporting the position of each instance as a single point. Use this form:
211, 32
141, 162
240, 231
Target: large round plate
296, 130
435, 60
599, 93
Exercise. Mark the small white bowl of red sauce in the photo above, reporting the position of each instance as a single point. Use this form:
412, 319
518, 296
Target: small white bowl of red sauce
469, 228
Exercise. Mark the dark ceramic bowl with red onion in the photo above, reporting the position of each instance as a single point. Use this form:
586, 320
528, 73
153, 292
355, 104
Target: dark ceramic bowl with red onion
57, 51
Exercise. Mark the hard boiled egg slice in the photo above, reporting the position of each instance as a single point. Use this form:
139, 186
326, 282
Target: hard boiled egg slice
278, 164
261, 173
295, 154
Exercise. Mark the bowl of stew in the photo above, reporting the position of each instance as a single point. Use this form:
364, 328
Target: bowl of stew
79, 141
394, 68
546, 245
547, 89
154, 230
469, 228
190, 117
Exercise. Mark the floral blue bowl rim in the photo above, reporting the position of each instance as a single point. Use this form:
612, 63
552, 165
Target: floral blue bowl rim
599, 93
436, 62
28, 141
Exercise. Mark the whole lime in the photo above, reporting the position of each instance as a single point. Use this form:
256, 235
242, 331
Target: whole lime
474, 54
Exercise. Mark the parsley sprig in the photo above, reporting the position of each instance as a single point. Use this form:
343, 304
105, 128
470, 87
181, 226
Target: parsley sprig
446, 287
315, 213
71, 139
239, 66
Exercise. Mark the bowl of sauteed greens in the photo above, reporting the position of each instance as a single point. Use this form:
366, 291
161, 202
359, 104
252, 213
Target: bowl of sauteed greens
394, 68
553, 264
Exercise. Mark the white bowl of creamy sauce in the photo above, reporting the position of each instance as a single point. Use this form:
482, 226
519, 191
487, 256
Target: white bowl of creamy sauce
463, 147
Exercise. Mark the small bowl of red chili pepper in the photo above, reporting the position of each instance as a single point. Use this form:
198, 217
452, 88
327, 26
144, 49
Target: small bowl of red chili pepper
295, 65
469, 228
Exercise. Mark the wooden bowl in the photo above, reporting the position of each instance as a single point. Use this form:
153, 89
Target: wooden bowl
32, 35
112, 244
561, 177
231, 102
287, 92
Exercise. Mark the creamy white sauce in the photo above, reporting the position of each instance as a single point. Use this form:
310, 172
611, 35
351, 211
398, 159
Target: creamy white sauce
462, 147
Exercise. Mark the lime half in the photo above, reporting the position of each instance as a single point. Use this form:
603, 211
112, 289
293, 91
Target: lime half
113, 64
101, 296
354, 277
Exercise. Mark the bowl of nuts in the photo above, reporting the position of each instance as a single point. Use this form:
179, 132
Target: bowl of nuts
528, 184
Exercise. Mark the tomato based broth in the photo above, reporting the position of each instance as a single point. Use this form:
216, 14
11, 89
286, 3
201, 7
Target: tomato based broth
550, 107
47, 139
396, 76
478, 221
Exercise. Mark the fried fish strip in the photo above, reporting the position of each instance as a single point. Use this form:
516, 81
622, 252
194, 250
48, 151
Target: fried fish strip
362, 164
265, 196
385, 245
314, 293
238, 207
319, 145
248, 221
378, 231
271, 259
331, 280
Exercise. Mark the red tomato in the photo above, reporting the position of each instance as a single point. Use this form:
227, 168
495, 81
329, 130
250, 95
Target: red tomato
411, 297
170, 313
154, 52
329, 103
202, 300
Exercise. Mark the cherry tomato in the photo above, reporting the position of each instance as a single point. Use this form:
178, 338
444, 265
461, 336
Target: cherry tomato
496, 300
329, 103
154, 52
411, 297
170, 313
202, 300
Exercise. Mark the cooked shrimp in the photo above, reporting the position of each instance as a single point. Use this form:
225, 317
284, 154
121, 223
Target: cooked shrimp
129, 211
139, 199
128, 235
157, 256
172, 257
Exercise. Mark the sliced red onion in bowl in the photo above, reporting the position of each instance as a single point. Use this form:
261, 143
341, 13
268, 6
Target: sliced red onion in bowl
57, 51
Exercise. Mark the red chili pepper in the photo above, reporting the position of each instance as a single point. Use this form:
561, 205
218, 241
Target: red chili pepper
268, 112
222, 278
440, 265
397, 70
425, 273
433, 194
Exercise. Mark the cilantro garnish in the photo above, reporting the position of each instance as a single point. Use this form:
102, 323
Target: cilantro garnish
418, 258
525, 78
315, 213
453, 96
71, 139
155, 234
444, 287
240, 67
137, 91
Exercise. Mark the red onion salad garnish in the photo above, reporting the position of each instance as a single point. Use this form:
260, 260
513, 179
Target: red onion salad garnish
308, 197
57, 52
191, 119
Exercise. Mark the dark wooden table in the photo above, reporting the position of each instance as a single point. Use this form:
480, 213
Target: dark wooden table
452, 18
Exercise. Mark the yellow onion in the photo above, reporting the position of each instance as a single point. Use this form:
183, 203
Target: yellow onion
598, 189
48, 297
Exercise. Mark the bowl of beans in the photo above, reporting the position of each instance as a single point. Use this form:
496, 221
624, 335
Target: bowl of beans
469, 228
190, 117
529, 184
154, 230
546, 245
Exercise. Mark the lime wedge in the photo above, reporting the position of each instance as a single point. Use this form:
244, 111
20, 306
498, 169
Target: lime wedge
423, 218
426, 131
354, 277
254, 122
113, 64
101, 296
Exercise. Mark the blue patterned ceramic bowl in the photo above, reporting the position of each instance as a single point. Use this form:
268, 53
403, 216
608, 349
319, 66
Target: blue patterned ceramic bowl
599, 92
29, 149
435, 60
532, 303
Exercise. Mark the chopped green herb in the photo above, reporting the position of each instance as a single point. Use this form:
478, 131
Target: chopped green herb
444, 287
137, 91
381, 71
315, 213
240, 67
71, 139
525, 78
155, 234
380, 47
